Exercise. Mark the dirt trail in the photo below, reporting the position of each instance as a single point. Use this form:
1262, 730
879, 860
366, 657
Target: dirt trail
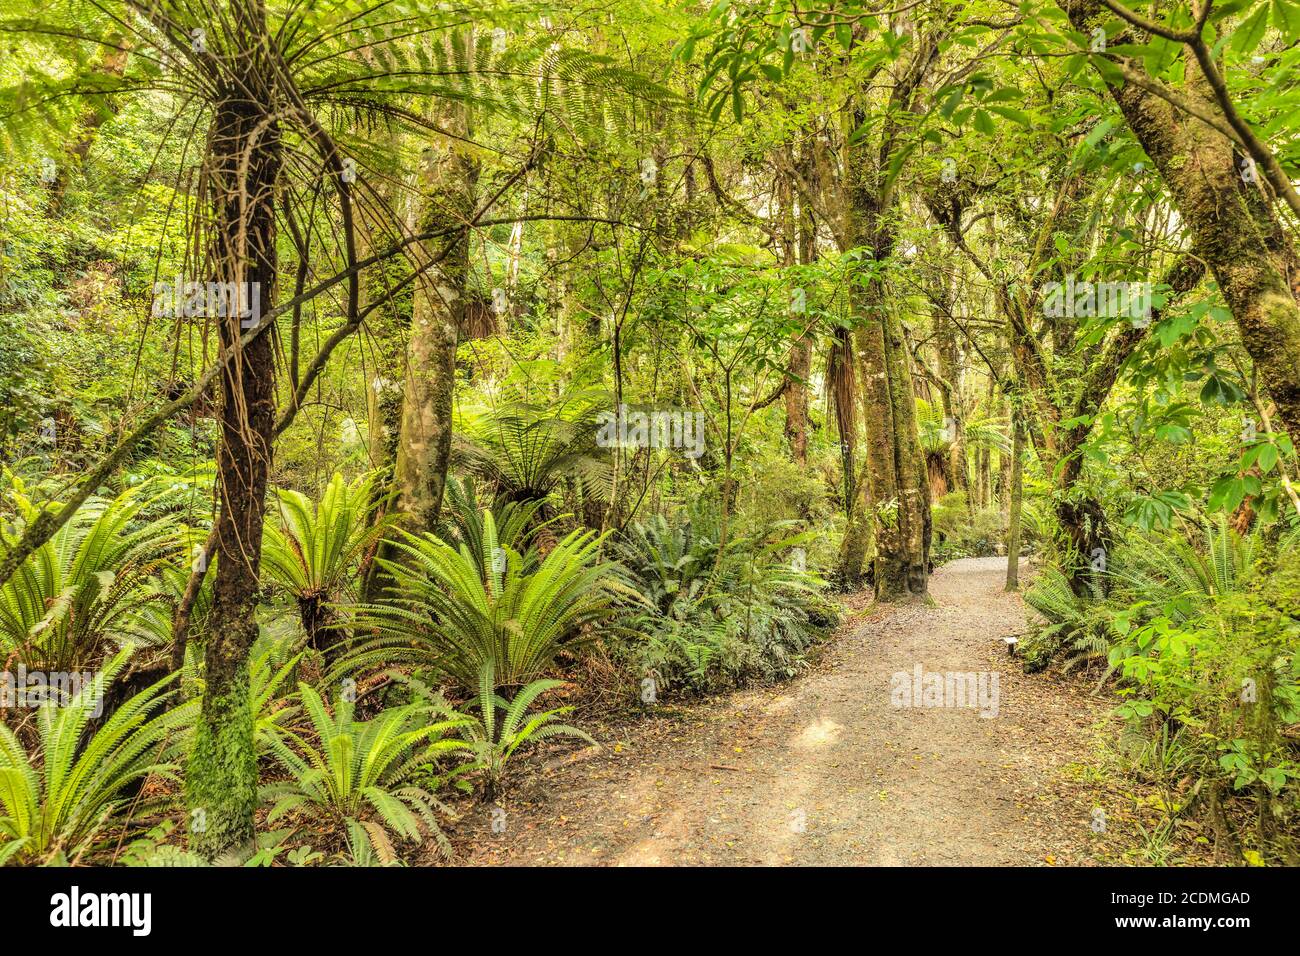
825, 770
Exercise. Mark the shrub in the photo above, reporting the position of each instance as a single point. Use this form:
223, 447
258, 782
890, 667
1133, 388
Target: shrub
719, 615
1224, 681
57, 801
493, 740
369, 779
959, 534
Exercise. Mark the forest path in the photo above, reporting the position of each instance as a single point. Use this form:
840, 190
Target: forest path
825, 770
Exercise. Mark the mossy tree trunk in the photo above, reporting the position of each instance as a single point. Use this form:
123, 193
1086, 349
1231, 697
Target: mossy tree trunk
895, 462
1233, 224
804, 250
244, 166
1017, 497
448, 179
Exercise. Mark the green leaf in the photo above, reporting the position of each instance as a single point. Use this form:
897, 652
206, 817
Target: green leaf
951, 101
1247, 36
1286, 17
1226, 494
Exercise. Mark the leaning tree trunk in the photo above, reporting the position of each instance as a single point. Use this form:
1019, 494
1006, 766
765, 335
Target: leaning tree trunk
447, 181
245, 162
1233, 227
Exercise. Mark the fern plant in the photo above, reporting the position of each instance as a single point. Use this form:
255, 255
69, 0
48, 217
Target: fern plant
526, 447
56, 801
718, 614
516, 523
674, 561
368, 780
454, 610
312, 551
494, 741
96, 583
1066, 622
1171, 569
1149, 574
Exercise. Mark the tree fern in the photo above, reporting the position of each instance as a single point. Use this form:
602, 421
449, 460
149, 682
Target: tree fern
312, 551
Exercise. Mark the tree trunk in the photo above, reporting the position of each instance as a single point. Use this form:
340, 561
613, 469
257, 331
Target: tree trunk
894, 462
954, 411
447, 180
245, 158
1017, 497
868, 201
390, 328
1233, 228
800, 361
112, 63
858, 543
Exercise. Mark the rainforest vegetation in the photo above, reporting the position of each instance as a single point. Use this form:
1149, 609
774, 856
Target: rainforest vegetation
394, 395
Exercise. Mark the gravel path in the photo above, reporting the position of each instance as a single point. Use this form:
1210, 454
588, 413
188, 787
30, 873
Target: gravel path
833, 768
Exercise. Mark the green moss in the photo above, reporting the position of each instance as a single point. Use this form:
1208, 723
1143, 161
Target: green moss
221, 782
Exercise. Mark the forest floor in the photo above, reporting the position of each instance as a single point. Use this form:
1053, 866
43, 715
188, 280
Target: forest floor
825, 770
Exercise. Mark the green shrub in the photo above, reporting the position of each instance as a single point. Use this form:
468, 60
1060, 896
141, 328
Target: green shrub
1225, 680
57, 801
719, 615
958, 534
312, 551
368, 780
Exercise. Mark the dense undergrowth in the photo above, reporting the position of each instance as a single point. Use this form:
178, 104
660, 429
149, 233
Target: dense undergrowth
367, 714
814, 258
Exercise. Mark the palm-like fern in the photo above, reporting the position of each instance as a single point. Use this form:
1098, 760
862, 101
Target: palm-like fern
56, 802
368, 779
719, 614
96, 582
980, 431
454, 609
312, 551
526, 448
1162, 571
516, 524
493, 742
